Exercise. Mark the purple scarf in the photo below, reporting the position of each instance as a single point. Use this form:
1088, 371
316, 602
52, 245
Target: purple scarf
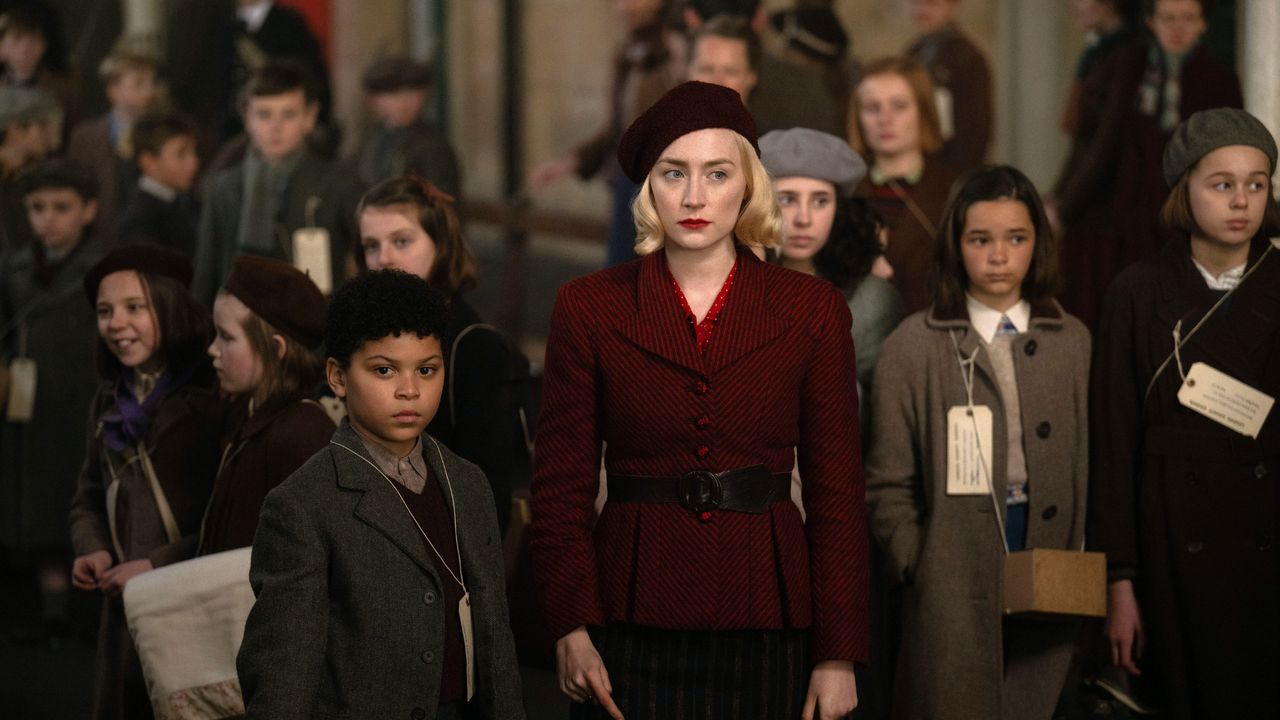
130, 425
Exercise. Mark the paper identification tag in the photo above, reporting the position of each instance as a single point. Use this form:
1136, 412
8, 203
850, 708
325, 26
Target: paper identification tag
468, 641
946, 112
22, 390
969, 450
311, 256
1225, 400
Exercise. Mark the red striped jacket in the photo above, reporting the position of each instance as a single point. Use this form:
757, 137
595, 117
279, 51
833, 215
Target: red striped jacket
777, 377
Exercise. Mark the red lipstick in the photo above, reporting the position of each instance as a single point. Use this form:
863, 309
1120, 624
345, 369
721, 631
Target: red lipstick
694, 223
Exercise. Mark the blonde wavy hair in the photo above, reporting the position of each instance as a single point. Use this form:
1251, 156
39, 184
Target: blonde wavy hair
759, 220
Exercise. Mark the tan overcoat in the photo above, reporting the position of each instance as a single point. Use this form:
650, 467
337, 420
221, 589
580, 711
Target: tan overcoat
953, 661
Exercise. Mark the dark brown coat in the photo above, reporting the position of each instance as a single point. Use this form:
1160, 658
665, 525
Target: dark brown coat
182, 442
1183, 505
91, 146
956, 64
258, 453
910, 248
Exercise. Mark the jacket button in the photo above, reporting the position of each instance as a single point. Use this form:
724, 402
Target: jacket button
1191, 477
418, 714
1195, 547
1050, 512
1042, 430
1030, 347
700, 388
429, 598
1264, 543
428, 657
704, 421
702, 451
1260, 471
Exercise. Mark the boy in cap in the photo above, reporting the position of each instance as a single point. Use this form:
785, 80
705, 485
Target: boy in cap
160, 208
27, 119
377, 565
282, 186
105, 143
404, 142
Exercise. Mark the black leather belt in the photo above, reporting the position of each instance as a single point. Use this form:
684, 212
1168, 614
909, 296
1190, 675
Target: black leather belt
748, 489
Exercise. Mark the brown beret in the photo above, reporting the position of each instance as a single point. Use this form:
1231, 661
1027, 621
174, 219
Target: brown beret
398, 72
143, 258
686, 108
280, 294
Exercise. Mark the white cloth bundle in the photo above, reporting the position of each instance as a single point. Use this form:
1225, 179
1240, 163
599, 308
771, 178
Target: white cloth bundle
187, 621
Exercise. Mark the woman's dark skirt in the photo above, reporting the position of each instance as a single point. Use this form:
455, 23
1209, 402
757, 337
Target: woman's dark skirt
702, 674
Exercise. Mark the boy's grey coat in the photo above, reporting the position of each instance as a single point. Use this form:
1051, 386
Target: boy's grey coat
349, 620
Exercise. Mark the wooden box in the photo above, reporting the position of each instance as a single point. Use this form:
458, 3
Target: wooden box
1055, 583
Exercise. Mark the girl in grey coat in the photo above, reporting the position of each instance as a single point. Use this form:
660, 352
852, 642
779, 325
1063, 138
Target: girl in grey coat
994, 339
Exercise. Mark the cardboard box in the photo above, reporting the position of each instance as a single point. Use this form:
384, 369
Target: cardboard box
1055, 583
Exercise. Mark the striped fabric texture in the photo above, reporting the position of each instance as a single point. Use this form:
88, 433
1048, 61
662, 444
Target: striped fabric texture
688, 674
775, 381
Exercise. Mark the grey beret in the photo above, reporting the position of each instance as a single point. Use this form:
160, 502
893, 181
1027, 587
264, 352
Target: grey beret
801, 152
1208, 130
23, 105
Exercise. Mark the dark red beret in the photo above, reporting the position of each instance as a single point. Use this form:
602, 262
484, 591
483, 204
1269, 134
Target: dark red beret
686, 108
280, 294
140, 257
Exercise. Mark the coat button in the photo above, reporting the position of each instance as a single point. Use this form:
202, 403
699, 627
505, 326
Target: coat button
1195, 547
704, 421
418, 714
1264, 543
1191, 477
429, 598
1030, 347
1042, 430
702, 451
1260, 471
700, 388
1050, 512
428, 657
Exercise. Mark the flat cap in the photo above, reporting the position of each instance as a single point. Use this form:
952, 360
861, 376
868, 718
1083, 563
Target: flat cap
24, 105
815, 31
397, 72
143, 258
801, 152
688, 107
1208, 130
280, 294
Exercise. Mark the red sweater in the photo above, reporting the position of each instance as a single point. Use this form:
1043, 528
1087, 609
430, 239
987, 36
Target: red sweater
777, 376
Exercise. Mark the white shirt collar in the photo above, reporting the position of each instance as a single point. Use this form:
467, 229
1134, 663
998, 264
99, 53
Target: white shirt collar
986, 321
157, 188
1226, 281
254, 15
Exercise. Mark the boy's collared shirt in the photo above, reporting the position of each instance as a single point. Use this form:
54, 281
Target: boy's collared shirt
253, 16
157, 189
410, 471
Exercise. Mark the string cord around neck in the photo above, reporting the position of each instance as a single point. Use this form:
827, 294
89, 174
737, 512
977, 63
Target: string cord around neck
966, 373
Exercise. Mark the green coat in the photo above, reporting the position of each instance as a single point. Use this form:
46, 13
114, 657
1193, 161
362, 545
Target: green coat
40, 460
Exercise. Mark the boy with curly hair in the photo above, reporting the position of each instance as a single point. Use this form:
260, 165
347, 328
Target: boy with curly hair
378, 564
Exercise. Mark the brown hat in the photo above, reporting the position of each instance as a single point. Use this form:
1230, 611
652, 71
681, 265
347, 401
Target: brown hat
280, 294
140, 257
398, 72
686, 108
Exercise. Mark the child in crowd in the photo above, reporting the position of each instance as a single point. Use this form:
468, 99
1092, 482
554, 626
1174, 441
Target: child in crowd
404, 142
280, 187
32, 56
160, 209
993, 351
152, 447
377, 565
27, 119
106, 143
1184, 503
46, 323
269, 318
407, 224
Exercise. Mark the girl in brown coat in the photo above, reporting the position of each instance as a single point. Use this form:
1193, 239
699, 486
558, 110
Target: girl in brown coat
268, 316
152, 447
1184, 505
996, 340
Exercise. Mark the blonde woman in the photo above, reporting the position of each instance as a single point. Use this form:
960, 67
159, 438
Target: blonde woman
706, 372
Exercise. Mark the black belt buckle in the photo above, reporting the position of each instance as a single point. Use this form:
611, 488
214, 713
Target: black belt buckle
701, 490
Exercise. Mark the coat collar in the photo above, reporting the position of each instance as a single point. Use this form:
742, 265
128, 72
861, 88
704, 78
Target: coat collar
1044, 314
381, 507
659, 324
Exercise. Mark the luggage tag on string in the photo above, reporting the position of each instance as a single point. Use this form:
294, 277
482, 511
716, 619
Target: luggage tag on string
311, 253
22, 383
969, 437
464, 605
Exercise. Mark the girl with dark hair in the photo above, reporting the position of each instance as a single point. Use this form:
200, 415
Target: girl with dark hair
1183, 495
152, 447
409, 224
831, 234
995, 369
